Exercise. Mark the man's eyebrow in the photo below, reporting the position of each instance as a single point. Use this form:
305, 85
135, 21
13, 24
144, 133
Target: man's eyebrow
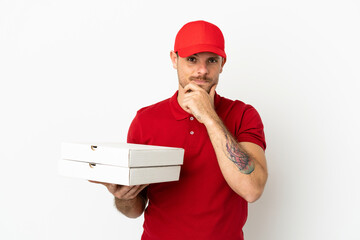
215, 57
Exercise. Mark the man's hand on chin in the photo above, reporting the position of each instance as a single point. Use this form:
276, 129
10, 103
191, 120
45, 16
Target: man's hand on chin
199, 103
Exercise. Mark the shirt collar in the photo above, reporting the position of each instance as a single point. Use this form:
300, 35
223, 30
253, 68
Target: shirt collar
180, 113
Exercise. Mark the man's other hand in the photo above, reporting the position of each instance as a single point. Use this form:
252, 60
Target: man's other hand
123, 192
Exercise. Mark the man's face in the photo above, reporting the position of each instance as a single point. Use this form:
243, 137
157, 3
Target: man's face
202, 69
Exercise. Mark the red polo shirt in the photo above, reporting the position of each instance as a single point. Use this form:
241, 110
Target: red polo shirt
200, 205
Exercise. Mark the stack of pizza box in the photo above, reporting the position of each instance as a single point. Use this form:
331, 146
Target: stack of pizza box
121, 163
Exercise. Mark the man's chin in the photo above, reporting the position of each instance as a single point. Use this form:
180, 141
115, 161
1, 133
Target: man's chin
204, 85
207, 89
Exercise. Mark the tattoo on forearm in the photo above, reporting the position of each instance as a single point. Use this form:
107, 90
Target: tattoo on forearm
238, 156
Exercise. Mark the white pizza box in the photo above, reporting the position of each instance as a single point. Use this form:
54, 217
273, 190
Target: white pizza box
122, 154
118, 175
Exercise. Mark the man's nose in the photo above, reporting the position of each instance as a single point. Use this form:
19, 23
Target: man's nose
202, 69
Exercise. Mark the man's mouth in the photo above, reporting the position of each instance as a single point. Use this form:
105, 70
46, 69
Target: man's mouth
200, 80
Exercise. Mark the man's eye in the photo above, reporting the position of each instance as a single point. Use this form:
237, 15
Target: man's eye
213, 60
191, 59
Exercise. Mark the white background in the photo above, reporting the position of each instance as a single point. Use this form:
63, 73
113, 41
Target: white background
79, 70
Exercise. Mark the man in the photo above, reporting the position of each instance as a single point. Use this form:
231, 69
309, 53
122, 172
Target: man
224, 164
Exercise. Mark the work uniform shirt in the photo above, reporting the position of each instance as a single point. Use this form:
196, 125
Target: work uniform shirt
201, 205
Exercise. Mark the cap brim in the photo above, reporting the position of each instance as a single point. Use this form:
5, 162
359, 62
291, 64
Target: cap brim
186, 52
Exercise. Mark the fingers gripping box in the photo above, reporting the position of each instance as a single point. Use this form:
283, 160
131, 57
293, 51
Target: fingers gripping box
121, 163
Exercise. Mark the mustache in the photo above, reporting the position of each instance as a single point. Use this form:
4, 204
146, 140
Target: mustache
202, 78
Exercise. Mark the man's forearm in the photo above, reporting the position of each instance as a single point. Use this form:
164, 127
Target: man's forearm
244, 174
131, 208
236, 154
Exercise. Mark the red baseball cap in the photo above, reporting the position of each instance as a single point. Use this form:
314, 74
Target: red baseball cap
199, 36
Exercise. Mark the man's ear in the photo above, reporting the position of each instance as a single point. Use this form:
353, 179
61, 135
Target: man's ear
222, 64
174, 59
